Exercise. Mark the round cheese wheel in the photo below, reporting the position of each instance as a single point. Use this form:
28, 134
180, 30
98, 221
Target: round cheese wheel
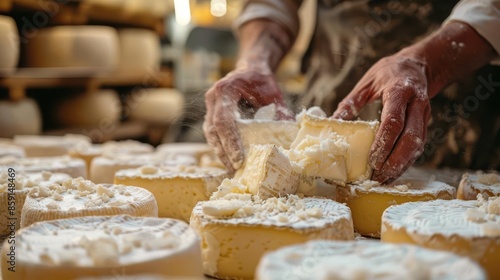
19, 117
160, 106
74, 46
486, 184
74, 167
48, 145
140, 51
9, 44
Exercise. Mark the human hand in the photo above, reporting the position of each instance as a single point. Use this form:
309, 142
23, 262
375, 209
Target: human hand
400, 81
252, 86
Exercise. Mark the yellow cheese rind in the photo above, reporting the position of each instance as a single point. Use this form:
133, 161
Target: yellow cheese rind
480, 183
176, 189
364, 260
447, 225
104, 246
368, 200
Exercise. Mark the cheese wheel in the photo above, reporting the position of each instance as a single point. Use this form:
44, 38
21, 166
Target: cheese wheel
79, 197
153, 8
480, 183
466, 228
103, 168
104, 246
446, 175
19, 117
197, 150
140, 51
161, 106
11, 150
9, 44
49, 146
177, 189
74, 167
14, 187
368, 200
236, 233
74, 46
93, 109
322, 260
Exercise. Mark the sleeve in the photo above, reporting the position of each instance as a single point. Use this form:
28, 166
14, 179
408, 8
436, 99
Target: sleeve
484, 17
282, 12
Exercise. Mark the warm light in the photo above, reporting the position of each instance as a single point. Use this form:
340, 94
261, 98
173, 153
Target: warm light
218, 8
182, 12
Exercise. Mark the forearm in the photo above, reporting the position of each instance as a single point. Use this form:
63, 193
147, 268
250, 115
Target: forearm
263, 44
452, 52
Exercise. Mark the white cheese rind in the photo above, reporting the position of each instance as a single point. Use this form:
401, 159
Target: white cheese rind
328, 260
49, 146
74, 167
105, 246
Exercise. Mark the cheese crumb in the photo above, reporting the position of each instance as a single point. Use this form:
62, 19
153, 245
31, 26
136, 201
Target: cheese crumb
401, 188
52, 206
46, 175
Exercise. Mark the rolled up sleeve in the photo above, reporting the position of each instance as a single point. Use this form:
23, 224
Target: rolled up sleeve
282, 12
484, 17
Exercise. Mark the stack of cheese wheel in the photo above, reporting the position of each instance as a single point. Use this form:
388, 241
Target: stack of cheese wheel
94, 47
467, 228
364, 260
160, 106
140, 51
100, 109
9, 44
19, 117
480, 183
177, 189
104, 246
151, 8
14, 186
368, 200
79, 197
49, 146
63, 164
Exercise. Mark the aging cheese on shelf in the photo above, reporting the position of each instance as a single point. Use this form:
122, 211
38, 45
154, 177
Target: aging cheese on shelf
74, 46
49, 146
329, 260
9, 44
79, 197
140, 51
159, 106
466, 228
177, 189
480, 183
104, 246
332, 149
368, 200
235, 233
14, 187
19, 117
74, 167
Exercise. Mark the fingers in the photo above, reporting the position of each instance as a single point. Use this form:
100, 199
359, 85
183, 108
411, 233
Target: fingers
349, 108
409, 145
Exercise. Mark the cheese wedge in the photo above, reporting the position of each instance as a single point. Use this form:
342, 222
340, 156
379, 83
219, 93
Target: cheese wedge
110, 246
324, 260
78, 197
74, 167
334, 149
480, 183
368, 200
236, 233
176, 189
466, 228
49, 146
14, 187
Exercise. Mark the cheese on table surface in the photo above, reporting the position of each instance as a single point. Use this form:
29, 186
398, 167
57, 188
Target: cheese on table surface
177, 189
449, 176
11, 150
267, 172
140, 51
79, 197
103, 168
89, 109
159, 106
19, 117
194, 149
466, 228
74, 167
332, 149
235, 233
480, 183
104, 246
94, 47
368, 200
330, 260
14, 187
49, 146
9, 44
